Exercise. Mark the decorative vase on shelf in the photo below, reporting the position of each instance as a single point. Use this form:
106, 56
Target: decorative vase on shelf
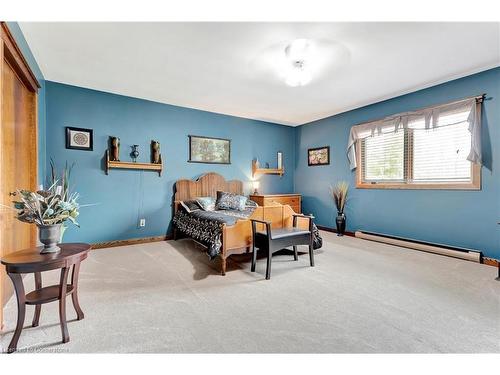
50, 235
340, 222
135, 153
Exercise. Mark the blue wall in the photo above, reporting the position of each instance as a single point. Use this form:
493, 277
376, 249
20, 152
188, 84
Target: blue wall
460, 218
28, 55
124, 196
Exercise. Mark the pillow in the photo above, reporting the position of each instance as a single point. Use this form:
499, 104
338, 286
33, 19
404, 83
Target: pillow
206, 203
251, 203
230, 201
190, 206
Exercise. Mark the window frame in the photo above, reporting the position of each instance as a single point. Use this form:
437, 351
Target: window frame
474, 184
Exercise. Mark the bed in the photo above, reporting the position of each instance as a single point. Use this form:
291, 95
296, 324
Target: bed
234, 232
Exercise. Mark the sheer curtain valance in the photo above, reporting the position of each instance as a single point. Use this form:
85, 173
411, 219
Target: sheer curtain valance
432, 117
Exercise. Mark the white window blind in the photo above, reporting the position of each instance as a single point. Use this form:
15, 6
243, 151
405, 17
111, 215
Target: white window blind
383, 157
440, 154
432, 146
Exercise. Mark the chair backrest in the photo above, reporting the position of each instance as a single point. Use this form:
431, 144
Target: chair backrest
279, 215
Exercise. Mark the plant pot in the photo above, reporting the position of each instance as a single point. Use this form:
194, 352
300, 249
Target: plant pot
50, 236
340, 222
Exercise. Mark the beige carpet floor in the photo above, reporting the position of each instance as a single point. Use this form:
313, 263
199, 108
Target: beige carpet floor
362, 297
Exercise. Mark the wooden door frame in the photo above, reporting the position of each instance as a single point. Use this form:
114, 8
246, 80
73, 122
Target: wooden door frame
12, 55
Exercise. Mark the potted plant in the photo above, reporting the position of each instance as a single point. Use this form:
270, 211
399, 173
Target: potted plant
339, 193
49, 209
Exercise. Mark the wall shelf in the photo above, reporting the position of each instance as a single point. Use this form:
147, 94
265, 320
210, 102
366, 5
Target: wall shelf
131, 165
257, 170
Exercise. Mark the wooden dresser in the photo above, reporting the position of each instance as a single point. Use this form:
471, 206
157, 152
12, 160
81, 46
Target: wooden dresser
293, 200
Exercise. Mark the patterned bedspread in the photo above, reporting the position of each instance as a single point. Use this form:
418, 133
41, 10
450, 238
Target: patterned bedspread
206, 227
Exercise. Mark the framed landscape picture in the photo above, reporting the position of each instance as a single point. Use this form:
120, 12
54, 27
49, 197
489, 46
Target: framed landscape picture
318, 156
209, 150
79, 139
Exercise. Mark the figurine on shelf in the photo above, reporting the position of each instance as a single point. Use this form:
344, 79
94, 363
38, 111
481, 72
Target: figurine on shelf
155, 152
115, 148
135, 153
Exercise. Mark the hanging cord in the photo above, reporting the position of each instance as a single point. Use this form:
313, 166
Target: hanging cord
140, 191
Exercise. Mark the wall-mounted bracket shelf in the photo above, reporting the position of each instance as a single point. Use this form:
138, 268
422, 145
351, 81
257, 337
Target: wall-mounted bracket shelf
257, 170
131, 165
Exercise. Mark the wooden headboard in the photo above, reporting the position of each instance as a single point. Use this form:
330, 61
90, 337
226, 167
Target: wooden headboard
205, 186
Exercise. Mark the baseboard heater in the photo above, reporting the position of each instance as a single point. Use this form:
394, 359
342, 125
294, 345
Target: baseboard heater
456, 252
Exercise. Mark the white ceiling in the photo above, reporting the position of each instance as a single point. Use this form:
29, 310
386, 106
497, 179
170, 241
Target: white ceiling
234, 68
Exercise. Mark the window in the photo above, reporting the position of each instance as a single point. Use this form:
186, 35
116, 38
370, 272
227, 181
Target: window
384, 157
424, 150
440, 154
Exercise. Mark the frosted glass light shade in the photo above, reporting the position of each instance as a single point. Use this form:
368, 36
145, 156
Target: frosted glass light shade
298, 76
297, 50
298, 73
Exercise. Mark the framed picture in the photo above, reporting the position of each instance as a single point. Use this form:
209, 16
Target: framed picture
79, 139
318, 156
209, 150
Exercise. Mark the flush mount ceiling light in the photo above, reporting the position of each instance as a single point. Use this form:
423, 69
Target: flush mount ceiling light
298, 73
299, 62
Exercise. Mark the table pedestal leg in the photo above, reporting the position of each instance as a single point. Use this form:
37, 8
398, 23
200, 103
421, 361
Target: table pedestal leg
38, 308
63, 286
17, 280
74, 295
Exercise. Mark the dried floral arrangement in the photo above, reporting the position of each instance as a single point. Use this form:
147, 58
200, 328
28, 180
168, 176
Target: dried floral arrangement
339, 193
50, 206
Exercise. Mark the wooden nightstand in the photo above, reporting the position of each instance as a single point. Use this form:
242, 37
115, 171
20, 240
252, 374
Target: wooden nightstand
293, 200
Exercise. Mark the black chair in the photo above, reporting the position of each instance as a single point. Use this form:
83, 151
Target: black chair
273, 240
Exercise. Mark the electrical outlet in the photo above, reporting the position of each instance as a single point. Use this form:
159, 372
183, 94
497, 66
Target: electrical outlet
142, 223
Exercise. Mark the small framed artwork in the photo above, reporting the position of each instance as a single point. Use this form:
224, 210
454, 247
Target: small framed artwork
79, 139
209, 150
318, 156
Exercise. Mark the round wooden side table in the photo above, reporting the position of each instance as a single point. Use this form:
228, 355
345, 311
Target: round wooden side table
31, 261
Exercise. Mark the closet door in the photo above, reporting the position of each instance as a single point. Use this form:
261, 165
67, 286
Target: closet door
18, 153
